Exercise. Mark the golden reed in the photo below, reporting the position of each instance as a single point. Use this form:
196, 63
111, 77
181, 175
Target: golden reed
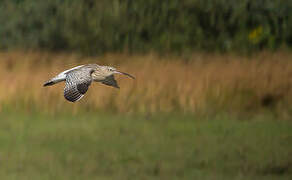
163, 84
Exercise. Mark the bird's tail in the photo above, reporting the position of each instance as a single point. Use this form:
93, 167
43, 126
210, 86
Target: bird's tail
59, 78
49, 83
53, 81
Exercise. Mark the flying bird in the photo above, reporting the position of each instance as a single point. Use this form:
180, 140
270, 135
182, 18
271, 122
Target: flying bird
78, 79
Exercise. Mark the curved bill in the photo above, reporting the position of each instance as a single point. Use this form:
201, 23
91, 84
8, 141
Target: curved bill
119, 72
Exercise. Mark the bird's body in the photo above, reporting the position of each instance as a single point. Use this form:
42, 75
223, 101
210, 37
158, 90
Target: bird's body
79, 78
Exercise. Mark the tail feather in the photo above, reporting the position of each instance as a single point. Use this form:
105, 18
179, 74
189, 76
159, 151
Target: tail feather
49, 83
59, 78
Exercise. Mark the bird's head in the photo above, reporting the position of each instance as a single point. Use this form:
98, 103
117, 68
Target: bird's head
108, 71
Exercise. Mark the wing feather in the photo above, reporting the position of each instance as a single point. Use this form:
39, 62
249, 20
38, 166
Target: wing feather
77, 83
110, 81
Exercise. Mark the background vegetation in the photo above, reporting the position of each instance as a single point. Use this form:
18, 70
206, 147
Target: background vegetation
205, 84
98, 26
171, 146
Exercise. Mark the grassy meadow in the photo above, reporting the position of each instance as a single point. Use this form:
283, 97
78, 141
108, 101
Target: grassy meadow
167, 146
201, 83
198, 117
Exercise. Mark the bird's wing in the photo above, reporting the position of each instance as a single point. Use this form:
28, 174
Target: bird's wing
110, 81
61, 77
77, 83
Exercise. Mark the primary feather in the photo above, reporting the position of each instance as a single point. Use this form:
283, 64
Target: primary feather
77, 83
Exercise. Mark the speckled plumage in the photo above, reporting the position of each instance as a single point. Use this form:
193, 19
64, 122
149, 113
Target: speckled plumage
78, 79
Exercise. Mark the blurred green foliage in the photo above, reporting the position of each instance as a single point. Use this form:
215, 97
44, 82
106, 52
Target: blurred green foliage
162, 146
98, 26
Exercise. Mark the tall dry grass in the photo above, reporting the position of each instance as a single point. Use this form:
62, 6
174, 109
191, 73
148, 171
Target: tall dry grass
163, 84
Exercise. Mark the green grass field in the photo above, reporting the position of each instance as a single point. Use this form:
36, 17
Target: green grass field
171, 146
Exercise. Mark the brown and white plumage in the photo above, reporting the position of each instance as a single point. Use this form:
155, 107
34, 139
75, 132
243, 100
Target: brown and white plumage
78, 79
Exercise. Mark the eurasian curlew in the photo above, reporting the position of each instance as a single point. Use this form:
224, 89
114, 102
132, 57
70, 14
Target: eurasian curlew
79, 78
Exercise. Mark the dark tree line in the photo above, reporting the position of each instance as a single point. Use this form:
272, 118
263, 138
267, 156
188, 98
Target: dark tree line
98, 26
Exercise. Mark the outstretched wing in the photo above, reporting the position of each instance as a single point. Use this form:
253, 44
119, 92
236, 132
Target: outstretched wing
110, 81
77, 83
60, 77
